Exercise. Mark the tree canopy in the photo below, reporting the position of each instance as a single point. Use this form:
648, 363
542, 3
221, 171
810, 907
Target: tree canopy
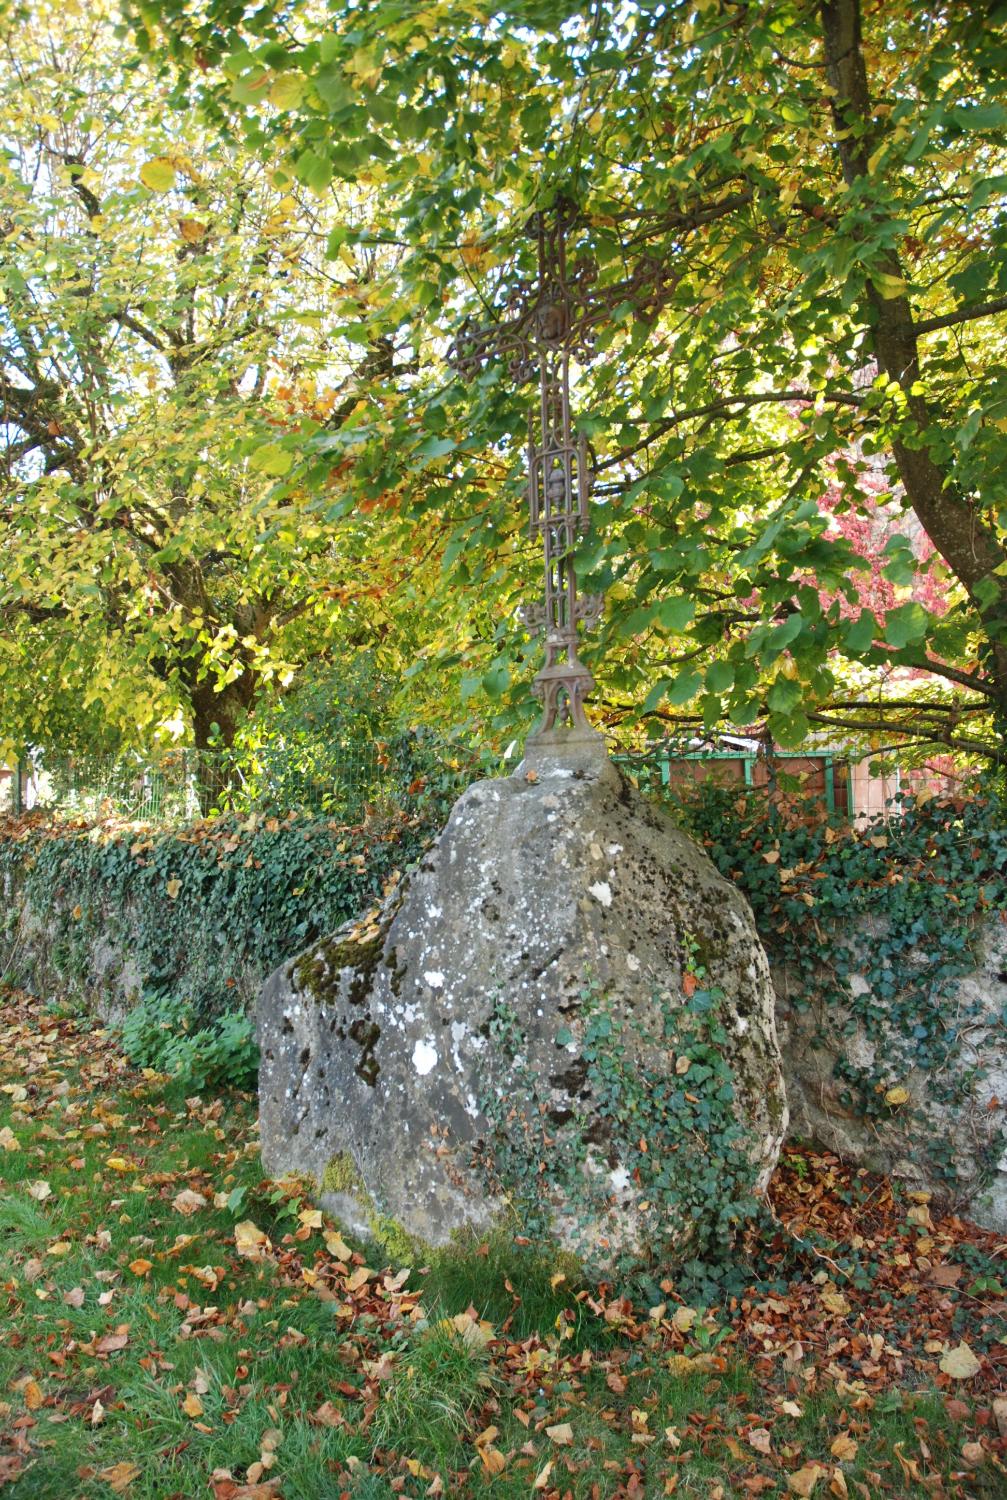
803, 204
167, 318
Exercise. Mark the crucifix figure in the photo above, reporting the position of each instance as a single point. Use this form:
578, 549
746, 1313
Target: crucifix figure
543, 326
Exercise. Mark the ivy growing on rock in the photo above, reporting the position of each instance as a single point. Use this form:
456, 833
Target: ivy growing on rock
645, 1135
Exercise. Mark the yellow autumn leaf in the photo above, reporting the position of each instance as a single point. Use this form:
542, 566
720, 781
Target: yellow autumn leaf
336, 1245
249, 1240
896, 1096
804, 1480
288, 91
119, 1164
889, 286
159, 174
140, 1267
360, 1277
835, 1302
173, 887
192, 1406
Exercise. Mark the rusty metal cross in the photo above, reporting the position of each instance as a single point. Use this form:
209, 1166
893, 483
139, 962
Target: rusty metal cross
542, 327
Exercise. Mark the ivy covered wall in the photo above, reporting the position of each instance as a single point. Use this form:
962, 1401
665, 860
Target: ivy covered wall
174, 930
888, 947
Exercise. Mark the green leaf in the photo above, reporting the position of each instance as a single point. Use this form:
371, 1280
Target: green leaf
436, 447
684, 688
496, 681
271, 459
785, 695
860, 634
906, 624
676, 614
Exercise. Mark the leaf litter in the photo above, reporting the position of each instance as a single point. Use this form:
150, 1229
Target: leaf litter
864, 1355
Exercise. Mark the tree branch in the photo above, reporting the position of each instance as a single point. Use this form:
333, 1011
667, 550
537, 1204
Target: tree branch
962, 315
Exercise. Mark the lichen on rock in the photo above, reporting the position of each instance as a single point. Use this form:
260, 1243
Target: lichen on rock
567, 976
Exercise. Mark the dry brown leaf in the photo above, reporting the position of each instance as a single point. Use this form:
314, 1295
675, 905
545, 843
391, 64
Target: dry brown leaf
561, 1434
121, 1475
188, 1202
803, 1481
844, 1448
336, 1245
960, 1363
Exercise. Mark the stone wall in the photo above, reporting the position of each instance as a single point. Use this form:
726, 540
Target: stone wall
942, 1134
70, 938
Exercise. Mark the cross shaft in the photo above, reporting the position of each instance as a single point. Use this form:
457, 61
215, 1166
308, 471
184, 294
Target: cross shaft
546, 327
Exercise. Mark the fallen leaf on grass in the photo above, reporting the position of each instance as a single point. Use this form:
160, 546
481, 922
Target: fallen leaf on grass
360, 1277
32, 1392
140, 1267
542, 1477
250, 1241
844, 1448
336, 1245
39, 1190
61, 1247
759, 1439
187, 1202
561, 1434
192, 1406
960, 1363
8, 1140
120, 1476
74, 1297
328, 1415
803, 1481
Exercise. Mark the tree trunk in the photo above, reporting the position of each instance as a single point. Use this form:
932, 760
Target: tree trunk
969, 546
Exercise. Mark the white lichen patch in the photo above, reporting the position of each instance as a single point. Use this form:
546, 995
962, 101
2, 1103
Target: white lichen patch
434, 978
601, 891
424, 1057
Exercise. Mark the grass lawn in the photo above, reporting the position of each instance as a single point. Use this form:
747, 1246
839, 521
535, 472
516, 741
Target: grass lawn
173, 1326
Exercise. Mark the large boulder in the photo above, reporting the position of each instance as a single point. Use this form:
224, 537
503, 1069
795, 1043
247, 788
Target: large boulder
855, 1085
561, 1021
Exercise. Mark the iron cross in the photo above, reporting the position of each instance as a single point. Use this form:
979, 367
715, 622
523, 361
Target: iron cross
541, 328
